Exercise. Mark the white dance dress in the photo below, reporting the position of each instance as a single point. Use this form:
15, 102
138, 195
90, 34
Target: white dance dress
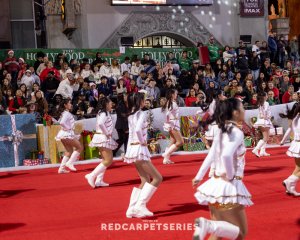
138, 126
264, 116
67, 123
294, 149
228, 156
104, 129
211, 132
172, 121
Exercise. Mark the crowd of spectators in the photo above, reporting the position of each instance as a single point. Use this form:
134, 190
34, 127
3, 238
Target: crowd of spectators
271, 66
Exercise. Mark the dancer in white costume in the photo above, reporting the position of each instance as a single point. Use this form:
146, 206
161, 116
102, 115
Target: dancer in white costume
104, 141
213, 127
294, 151
290, 116
172, 125
68, 138
264, 124
209, 134
138, 153
225, 193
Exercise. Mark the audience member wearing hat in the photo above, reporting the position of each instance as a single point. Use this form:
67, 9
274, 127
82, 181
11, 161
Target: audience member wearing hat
12, 66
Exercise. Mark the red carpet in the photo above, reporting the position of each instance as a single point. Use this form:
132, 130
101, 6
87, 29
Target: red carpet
41, 204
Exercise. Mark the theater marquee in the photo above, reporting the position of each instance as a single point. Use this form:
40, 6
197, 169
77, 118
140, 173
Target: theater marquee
252, 8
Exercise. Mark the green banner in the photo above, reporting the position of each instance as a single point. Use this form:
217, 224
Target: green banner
158, 54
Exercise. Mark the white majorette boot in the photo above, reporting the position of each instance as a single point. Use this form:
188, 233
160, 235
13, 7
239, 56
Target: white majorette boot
167, 154
91, 177
255, 151
140, 210
290, 185
62, 167
220, 229
263, 152
99, 181
73, 158
135, 194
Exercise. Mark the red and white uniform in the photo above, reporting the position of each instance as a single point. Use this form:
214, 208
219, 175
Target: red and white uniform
172, 122
264, 116
67, 123
138, 126
104, 130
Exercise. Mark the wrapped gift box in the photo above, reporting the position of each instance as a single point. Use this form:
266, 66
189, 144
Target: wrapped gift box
249, 141
34, 162
17, 138
48, 144
189, 125
193, 144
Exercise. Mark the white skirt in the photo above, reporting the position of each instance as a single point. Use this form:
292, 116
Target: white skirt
172, 125
217, 190
263, 123
100, 140
211, 132
294, 150
136, 153
63, 134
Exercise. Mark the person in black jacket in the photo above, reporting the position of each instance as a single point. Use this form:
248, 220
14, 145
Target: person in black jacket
185, 81
49, 86
98, 61
281, 49
80, 107
40, 59
254, 65
169, 85
122, 122
243, 64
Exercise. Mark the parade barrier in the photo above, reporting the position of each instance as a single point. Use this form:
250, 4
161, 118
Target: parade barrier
20, 136
160, 55
159, 117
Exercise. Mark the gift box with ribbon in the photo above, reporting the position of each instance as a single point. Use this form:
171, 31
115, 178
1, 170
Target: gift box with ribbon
189, 126
47, 143
249, 141
47, 120
17, 138
34, 162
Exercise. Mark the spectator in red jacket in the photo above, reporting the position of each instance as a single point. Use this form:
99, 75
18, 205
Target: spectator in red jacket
11, 64
49, 68
274, 89
17, 104
288, 95
191, 98
132, 88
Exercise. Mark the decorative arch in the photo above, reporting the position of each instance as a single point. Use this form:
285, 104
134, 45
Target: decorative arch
182, 39
185, 28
